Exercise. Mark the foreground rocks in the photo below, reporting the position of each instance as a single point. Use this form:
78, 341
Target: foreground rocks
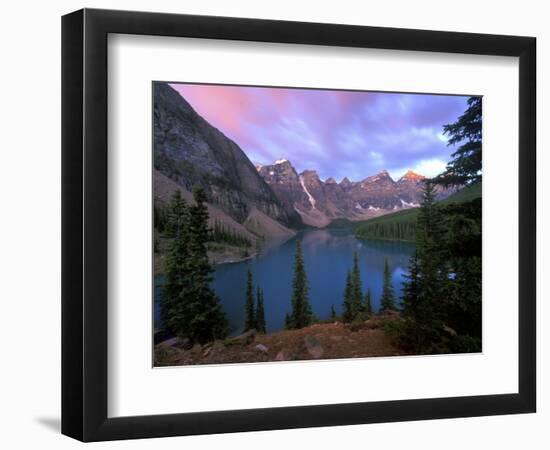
319, 341
314, 347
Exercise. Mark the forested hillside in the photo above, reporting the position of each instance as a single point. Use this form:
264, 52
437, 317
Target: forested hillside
401, 225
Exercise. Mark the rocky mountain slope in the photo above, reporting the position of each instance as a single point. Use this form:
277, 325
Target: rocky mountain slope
319, 202
191, 152
164, 188
257, 226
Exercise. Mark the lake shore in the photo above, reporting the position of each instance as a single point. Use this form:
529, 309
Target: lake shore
218, 254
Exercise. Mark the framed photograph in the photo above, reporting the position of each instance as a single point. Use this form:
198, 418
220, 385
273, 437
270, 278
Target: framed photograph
273, 224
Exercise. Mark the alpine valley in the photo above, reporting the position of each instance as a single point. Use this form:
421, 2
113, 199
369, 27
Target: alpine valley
260, 202
273, 262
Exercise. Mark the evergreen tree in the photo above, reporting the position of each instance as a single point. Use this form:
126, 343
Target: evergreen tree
465, 167
441, 298
301, 315
208, 321
353, 298
348, 313
175, 290
425, 291
431, 264
411, 309
463, 312
367, 307
356, 294
288, 322
387, 302
332, 313
260, 316
250, 314
189, 307
159, 217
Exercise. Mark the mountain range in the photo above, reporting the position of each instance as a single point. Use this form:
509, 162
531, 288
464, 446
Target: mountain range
264, 199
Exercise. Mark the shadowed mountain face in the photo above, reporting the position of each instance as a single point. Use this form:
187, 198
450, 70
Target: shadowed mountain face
285, 183
191, 152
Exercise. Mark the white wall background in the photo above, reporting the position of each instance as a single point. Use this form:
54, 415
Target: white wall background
30, 222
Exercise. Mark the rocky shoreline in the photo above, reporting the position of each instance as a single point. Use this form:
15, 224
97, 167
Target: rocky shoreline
319, 341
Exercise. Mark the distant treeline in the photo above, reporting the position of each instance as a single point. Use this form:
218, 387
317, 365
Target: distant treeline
218, 231
401, 225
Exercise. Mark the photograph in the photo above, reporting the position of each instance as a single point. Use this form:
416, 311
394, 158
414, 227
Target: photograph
254, 225
311, 224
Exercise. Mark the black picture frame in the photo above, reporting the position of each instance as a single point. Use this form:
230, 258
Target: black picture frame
84, 224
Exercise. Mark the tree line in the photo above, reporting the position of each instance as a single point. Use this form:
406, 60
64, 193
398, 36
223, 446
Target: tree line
221, 233
357, 307
217, 232
396, 227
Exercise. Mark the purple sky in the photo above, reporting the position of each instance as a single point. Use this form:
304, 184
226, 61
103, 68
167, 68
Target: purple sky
337, 133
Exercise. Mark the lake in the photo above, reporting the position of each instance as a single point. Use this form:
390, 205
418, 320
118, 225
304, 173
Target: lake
328, 255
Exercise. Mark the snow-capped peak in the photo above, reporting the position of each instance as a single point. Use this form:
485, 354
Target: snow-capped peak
281, 161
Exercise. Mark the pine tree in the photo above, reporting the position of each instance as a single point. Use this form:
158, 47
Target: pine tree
348, 313
443, 288
387, 302
410, 305
288, 322
332, 313
367, 306
189, 307
352, 304
429, 231
159, 217
465, 167
250, 314
410, 292
461, 308
463, 311
260, 316
208, 321
175, 290
431, 262
426, 290
301, 315
356, 294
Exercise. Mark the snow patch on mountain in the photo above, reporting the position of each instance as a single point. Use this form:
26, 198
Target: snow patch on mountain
408, 205
309, 196
281, 161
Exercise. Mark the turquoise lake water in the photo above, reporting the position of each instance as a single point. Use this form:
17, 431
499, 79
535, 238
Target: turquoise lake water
328, 255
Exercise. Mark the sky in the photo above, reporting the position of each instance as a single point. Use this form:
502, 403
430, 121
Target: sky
337, 133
